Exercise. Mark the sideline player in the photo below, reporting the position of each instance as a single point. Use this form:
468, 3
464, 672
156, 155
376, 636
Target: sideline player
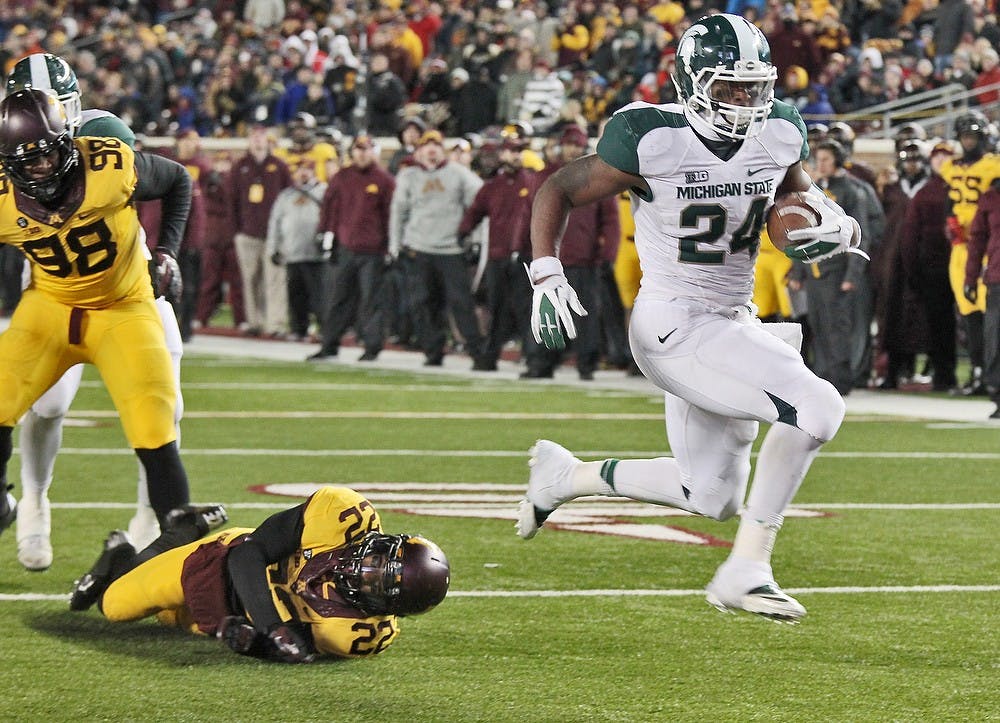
702, 174
320, 578
69, 206
41, 428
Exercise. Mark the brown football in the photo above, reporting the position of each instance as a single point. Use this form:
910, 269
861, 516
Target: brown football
790, 212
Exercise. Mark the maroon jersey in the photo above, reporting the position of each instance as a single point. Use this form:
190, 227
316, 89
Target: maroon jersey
506, 200
356, 208
255, 188
592, 231
984, 238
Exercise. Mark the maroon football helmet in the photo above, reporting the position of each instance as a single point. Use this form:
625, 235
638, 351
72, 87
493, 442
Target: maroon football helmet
33, 125
393, 574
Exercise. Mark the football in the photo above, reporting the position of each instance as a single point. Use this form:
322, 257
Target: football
790, 212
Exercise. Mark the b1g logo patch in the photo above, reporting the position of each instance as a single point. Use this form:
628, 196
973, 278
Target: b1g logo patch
696, 177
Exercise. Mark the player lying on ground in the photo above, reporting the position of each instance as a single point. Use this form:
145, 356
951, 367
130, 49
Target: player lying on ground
318, 579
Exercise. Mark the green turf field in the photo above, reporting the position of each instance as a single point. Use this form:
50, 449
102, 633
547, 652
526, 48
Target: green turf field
894, 553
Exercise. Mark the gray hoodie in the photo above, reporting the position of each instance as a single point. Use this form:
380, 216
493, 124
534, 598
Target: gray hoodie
428, 205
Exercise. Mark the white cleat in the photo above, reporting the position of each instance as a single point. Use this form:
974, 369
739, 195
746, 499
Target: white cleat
34, 548
750, 586
549, 485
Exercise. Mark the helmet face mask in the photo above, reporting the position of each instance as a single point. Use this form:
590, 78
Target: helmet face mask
392, 574
724, 77
45, 71
36, 146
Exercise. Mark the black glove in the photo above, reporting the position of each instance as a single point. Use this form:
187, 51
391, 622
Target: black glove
971, 292
289, 645
241, 637
277, 258
472, 252
165, 275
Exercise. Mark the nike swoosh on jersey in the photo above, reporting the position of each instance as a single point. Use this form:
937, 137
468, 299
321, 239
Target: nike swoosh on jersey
755, 171
667, 336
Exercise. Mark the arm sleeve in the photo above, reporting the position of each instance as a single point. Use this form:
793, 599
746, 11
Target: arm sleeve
278, 537
170, 182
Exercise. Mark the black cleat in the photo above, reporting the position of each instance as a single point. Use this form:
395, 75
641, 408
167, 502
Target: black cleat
204, 517
117, 556
8, 507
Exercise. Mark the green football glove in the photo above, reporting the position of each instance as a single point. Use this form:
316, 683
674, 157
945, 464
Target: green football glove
836, 233
551, 303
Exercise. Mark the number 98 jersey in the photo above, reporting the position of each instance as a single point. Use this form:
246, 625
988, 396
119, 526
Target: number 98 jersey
86, 253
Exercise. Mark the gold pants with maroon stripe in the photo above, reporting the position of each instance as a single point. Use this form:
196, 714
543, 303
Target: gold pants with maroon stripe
154, 588
124, 341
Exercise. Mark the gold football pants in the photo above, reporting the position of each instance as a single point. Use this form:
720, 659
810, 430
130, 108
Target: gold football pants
124, 341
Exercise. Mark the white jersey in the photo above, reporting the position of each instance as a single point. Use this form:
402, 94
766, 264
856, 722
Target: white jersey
698, 231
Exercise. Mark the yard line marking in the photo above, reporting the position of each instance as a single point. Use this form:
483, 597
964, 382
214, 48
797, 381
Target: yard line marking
471, 388
264, 414
855, 590
613, 505
621, 454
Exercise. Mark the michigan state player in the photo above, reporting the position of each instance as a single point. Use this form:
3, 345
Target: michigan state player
41, 431
702, 174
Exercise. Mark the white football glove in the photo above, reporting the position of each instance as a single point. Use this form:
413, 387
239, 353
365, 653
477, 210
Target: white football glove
551, 302
835, 234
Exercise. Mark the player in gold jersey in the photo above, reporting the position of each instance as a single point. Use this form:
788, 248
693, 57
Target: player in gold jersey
320, 578
968, 177
69, 205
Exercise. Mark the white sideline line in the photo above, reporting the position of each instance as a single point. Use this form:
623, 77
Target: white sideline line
879, 589
621, 454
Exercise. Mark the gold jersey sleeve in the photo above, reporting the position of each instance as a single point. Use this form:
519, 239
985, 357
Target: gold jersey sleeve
966, 183
89, 256
334, 517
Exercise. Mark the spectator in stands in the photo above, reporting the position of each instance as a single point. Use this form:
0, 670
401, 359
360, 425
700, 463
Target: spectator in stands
426, 209
409, 136
512, 89
385, 95
355, 226
954, 18
543, 97
988, 78
257, 179
473, 101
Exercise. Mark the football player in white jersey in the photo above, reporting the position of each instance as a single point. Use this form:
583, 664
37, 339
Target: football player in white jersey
41, 428
702, 174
